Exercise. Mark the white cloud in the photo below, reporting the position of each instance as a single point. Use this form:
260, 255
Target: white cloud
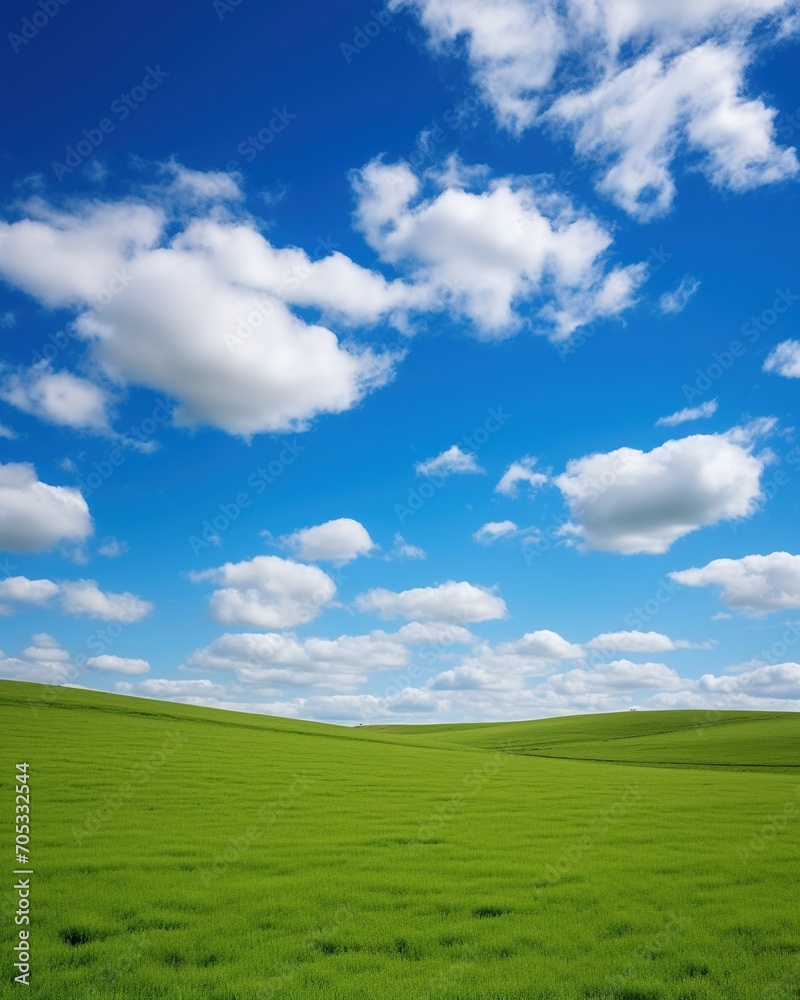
456, 603
485, 255
57, 397
506, 665
637, 642
199, 186
636, 84
633, 501
118, 664
7, 433
204, 312
618, 674
67, 259
451, 462
35, 516
493, 530
45, 662
83, 597
21, 590
112, 548
405, 550
268, 592
784, 359
636, 121
520, 472
677, 300
542, 645
433, 634
158, 687
281, 658
707, 409
753, 583
339, 541
45, 649
780, 680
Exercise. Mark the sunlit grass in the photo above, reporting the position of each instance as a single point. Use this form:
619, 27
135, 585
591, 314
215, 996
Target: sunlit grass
187, 853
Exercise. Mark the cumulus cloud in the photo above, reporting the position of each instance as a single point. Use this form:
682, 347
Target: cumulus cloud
58, 397
485, 254
451, 462
118, 664
184, 690
201, 186
635, 85
632, 501
542, 645
432, 634
203, 310
493, 530
784, 359
34, 516
112, 548
456, 603
755, 583
339, 541
405, 550
20, 590
45, 662
707, 409
780, 680
677, 300
637, 642
77, 597
520, 472
268, 592
618, 674
84, 597
340, 664
45, 649
637, 121
506, 665
7, 433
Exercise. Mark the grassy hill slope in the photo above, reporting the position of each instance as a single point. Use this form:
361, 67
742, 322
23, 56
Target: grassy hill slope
769, 740
184, 853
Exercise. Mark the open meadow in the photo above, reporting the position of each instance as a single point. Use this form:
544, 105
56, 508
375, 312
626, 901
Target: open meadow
183, 853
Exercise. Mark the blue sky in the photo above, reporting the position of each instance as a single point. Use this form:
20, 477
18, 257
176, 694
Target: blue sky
423, 362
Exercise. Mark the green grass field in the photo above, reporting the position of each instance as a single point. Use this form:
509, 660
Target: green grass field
182, 853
